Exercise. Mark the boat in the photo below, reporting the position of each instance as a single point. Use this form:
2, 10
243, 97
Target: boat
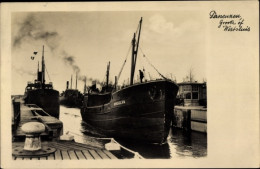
71, 97
139, 112
43, 94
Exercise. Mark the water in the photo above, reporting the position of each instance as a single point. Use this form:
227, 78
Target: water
179, 144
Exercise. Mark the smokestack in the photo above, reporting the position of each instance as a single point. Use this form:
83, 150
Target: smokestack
67, 87
76, 79
38, 67
85, 87
71, 82
115, 82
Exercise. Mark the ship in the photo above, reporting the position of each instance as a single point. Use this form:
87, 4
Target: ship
71, 97
43, 94
139, 112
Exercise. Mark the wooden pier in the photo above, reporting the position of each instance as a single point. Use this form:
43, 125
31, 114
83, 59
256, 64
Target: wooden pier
190, 118
69, 150
64, 150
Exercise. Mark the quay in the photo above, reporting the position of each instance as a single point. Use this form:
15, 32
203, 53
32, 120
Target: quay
68, 150
190, 118
54, 145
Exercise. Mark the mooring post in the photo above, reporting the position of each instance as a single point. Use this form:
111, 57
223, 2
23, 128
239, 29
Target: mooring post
32, 131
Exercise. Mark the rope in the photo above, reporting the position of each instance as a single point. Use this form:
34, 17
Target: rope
127, 55
124, 63
47, 73
136, 154
152, 64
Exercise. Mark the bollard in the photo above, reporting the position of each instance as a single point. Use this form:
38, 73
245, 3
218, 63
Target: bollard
32, 146
32, 131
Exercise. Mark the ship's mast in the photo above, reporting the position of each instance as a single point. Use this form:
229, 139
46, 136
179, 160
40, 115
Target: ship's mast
134, 52
43, 67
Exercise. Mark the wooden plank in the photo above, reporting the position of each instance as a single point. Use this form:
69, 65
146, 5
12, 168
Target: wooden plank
65, 155
79, 146
87, 154
72, 155
102, 154
58, 155
62, 146
94, 154
50, 157
80, 155
110, 155
71, 146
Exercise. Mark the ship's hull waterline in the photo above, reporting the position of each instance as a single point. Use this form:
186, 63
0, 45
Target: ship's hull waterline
141, 112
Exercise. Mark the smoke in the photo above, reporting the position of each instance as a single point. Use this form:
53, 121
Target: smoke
31, 29
68, 59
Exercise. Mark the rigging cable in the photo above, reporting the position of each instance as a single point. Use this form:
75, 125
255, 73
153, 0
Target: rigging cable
151, 64
127, 55
124, 63
47, 72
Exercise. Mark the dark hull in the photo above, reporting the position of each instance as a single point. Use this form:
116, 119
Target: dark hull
47, 99
71, 98
140, 112
70, 101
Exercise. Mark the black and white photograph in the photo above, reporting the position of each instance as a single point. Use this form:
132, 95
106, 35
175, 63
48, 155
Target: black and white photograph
130, 84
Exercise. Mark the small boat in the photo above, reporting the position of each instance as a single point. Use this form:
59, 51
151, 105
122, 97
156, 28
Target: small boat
139, 112
71, 97
42, 94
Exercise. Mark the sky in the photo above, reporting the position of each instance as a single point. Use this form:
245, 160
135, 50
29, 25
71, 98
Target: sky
84, 42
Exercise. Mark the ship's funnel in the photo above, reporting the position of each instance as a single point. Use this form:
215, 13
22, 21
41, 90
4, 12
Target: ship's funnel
67, 87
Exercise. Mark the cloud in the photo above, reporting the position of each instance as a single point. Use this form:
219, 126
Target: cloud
159, 24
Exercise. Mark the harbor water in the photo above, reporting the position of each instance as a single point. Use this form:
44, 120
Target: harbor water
179, 144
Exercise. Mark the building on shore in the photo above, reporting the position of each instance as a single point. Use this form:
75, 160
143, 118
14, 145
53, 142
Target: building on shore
193, 93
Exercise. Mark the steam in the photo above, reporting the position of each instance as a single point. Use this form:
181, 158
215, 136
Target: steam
31, 30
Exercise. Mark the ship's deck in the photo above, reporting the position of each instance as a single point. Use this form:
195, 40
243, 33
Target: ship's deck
64, 150
69, 150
